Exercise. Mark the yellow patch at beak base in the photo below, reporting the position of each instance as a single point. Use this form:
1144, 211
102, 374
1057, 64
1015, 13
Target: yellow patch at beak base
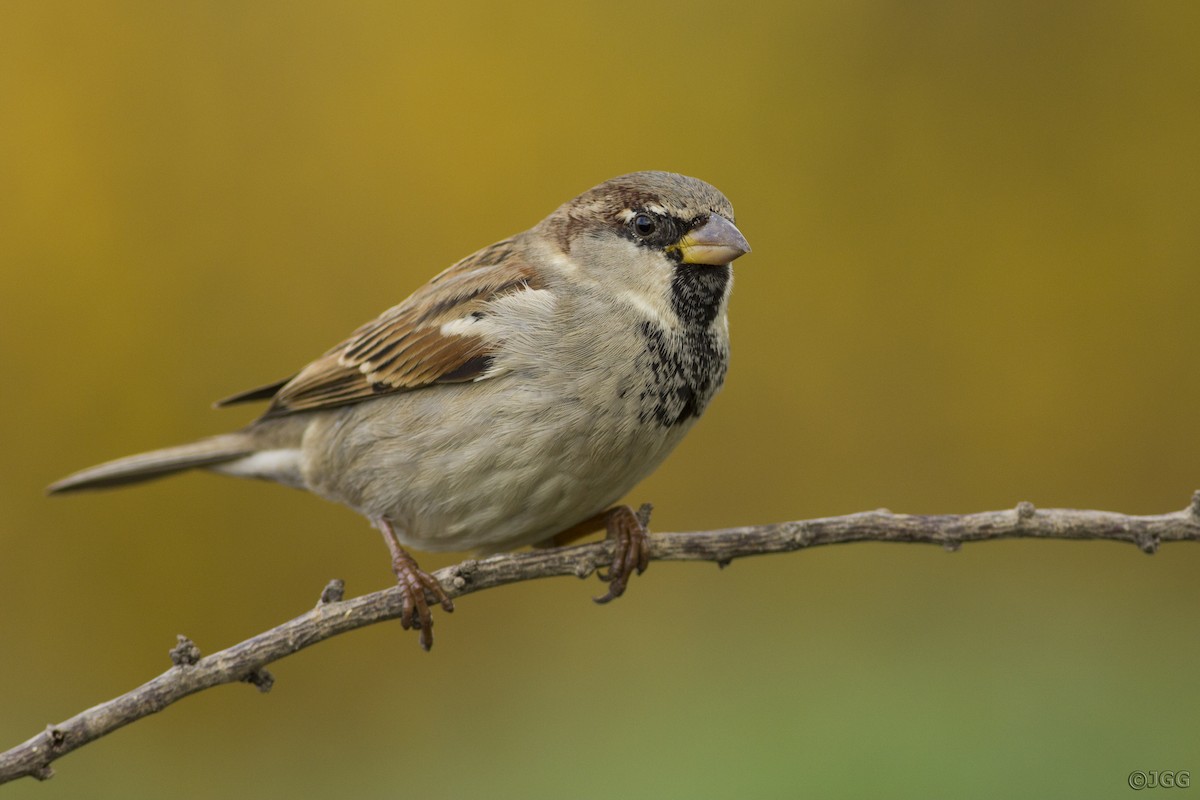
716, 242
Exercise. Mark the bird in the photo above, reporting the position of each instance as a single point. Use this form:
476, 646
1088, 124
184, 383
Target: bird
512, 399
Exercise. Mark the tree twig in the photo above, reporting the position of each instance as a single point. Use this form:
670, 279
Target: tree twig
247, 660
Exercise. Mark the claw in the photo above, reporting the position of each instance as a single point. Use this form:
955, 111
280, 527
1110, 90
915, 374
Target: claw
418, 588
631, 552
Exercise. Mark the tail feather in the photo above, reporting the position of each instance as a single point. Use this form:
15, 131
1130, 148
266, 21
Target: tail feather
157, 463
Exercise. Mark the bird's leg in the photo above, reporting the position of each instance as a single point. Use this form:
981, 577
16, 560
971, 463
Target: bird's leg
632, 551
416, 584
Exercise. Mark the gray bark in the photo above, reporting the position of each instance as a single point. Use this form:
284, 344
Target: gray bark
247, 660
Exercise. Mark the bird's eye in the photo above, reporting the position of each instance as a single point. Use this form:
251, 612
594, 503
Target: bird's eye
644, 224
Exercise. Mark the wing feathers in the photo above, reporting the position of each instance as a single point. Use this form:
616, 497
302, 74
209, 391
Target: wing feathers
411, 345
249, 396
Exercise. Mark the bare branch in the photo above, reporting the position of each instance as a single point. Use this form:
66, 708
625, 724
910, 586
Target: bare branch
247, 660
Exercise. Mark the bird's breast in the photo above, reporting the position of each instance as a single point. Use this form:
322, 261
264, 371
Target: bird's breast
681, 371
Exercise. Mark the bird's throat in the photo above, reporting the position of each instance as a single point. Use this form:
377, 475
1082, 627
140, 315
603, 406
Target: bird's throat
698, 293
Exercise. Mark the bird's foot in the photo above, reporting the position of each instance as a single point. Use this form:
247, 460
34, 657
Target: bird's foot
420, 589
632, 549
418, 586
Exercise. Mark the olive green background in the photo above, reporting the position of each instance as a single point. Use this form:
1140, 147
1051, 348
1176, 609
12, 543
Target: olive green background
976, 232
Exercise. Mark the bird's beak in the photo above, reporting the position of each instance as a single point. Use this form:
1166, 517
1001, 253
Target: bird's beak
716, 242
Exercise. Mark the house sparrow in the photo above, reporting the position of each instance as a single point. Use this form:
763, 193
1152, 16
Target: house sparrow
513, 398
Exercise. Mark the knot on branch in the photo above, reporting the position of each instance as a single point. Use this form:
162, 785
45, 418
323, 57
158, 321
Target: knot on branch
185, 653
56, 736
585, 567
333, 592
1147, 542
464, 573
1025, 511
798, 535
1195, 507
261, 679
56, 740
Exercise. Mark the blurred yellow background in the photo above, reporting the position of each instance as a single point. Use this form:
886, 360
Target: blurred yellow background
976, 232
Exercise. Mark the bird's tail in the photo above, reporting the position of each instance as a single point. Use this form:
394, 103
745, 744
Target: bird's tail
158, 463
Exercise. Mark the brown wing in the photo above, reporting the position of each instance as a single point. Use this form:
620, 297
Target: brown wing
405, 348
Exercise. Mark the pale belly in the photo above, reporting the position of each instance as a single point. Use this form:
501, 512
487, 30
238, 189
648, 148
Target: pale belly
486, 466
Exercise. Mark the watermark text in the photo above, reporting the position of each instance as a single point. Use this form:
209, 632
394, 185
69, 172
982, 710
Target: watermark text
1159, 779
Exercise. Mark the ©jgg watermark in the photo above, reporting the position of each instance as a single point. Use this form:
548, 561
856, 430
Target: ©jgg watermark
1159, 779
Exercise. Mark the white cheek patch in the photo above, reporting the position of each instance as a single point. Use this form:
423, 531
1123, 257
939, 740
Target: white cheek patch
658, 312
